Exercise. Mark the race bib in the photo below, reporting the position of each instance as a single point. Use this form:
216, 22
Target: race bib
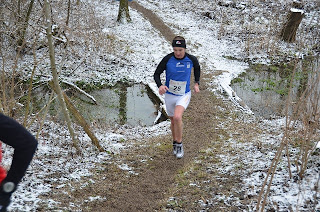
177, 87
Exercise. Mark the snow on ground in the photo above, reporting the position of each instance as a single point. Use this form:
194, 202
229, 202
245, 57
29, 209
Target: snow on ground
202, 42
144, 47
286, 193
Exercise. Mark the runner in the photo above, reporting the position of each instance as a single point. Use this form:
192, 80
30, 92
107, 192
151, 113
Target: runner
178, 66
24, 144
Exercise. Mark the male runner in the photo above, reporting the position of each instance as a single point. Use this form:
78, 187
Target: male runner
178, 66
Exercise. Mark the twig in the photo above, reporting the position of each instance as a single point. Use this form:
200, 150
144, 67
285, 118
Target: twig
80, 90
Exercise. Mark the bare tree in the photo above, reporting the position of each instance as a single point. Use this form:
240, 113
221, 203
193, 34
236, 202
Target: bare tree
123, 15
54, 72
68, 13
3, 98
25, 25
300, 130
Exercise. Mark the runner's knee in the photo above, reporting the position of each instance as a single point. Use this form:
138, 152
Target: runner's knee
177, 118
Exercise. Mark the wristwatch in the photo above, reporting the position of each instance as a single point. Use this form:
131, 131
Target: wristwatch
8, 187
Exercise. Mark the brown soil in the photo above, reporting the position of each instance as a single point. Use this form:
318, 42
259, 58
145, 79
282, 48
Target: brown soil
160, 181
154, 20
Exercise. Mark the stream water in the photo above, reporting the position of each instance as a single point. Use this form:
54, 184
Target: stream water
133, 105
265, 88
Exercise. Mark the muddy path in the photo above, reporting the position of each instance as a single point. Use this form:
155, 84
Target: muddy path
156, 171
149, 189
154, 20
156, 177
158, 181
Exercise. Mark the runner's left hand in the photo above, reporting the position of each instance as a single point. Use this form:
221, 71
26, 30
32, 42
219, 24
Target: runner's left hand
196, 88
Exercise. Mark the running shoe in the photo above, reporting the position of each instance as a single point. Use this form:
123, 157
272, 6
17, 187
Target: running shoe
174, 144
179, 150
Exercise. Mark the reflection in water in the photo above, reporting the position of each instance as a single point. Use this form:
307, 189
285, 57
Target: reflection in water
141, 108
119, 105
265, 90
124, 105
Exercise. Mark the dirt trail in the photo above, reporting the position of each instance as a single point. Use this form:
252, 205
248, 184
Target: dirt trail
157, 168
150, 189
157, 173
154, 20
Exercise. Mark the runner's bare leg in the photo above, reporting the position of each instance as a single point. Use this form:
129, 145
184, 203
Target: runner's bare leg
176, 123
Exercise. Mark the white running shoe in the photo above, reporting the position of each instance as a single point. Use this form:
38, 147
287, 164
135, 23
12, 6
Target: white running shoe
179, 150
174, 147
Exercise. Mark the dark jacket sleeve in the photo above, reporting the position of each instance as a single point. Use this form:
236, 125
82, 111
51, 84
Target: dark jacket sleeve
160, 68
196, 68
24, 144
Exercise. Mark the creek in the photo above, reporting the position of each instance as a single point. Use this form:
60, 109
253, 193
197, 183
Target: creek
133, 105
265, 88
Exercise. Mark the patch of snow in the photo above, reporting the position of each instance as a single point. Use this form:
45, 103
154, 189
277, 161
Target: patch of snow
295, 10
144, 47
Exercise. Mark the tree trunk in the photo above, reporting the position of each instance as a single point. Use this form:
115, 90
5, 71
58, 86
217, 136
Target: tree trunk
55, 79
3, 97
27, 110
81, 121
68, 14
123, 15
25, 25
289, 30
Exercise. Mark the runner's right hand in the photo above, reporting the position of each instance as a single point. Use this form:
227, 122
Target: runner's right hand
163, 89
